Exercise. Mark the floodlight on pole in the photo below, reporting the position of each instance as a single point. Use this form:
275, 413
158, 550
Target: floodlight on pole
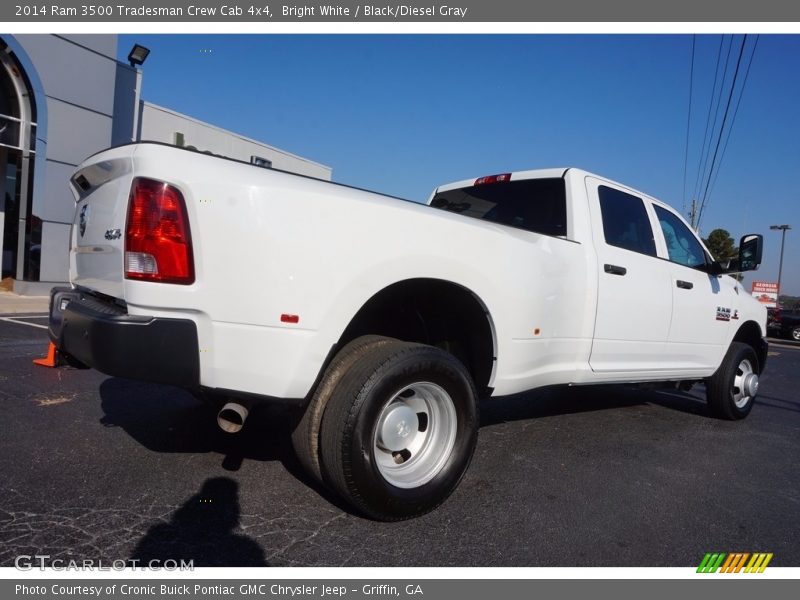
782, 229
138, 55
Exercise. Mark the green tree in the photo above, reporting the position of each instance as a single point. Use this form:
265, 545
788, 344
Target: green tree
722, 247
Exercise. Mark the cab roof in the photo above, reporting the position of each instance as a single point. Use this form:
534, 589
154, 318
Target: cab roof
557, 172
515, 175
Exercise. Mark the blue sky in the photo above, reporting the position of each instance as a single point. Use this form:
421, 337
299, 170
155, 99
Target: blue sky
402, 113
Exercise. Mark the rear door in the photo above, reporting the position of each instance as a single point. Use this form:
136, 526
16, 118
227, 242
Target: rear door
634, 299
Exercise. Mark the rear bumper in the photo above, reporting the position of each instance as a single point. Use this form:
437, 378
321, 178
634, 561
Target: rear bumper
101, 335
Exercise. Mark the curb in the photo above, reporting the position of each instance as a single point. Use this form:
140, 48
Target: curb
13, 304
782, 343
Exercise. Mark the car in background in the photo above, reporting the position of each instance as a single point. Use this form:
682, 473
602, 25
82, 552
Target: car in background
784, 323
773, 321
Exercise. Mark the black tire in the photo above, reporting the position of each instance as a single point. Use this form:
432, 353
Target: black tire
305, 436
354, 464
722, 392
795, 334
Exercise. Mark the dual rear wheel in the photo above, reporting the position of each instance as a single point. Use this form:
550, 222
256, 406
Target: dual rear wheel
391, 427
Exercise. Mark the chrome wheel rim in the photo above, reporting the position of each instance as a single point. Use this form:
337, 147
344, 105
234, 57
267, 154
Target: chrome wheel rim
414, 435
745, 384
796, 334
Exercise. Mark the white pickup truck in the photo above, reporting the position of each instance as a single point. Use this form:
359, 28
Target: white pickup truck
383, 321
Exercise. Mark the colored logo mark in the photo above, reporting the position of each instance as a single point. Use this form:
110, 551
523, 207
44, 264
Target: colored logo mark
735, 562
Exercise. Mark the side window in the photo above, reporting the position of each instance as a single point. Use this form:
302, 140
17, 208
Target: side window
625, 221
682, 245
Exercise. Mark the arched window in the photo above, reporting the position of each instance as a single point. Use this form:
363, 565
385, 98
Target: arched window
19, 236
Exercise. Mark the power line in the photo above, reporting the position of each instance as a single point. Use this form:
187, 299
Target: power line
688, 122
711, 168
711, 133
735, 112
721, 129
708, 117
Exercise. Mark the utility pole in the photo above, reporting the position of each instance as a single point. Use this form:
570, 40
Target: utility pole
782, 229
693, 214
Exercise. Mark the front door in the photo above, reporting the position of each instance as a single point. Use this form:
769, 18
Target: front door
703, 305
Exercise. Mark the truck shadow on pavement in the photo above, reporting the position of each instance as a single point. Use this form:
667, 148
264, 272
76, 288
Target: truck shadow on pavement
779, 403
201, 531
563, 400
167, 419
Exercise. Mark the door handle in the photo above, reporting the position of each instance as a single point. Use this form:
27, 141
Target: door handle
684, 285
615, 270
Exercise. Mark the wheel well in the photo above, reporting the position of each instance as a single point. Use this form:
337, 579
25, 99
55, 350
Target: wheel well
435, 312
750, 333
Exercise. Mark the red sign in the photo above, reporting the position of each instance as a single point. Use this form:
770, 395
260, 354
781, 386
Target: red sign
766, 292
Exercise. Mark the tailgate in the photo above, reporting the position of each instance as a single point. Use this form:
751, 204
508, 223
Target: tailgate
101, 186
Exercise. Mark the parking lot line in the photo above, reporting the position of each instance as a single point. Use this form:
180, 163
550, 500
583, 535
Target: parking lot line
18, 322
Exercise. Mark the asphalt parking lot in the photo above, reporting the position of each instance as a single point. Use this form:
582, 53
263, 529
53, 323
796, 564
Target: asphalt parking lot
104, 468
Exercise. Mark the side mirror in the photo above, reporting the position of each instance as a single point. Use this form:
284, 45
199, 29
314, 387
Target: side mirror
751, 247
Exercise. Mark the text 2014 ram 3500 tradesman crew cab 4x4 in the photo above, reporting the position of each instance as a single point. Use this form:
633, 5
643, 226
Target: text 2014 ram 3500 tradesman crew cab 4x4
383, 321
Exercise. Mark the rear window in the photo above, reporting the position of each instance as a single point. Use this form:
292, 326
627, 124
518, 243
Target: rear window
538, 205
625, 221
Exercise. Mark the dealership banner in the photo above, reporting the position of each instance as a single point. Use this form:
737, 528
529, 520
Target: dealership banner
730, 587
766, 292
425, 11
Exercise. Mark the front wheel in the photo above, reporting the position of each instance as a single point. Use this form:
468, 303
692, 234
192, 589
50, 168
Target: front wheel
796, 334
399, 431
731, 391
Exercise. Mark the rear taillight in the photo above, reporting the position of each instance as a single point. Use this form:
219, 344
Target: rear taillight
158, 245
493, 179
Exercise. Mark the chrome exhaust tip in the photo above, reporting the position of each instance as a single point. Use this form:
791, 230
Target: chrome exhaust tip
231, 417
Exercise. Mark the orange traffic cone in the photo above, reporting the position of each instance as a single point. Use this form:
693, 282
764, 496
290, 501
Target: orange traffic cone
51, 360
